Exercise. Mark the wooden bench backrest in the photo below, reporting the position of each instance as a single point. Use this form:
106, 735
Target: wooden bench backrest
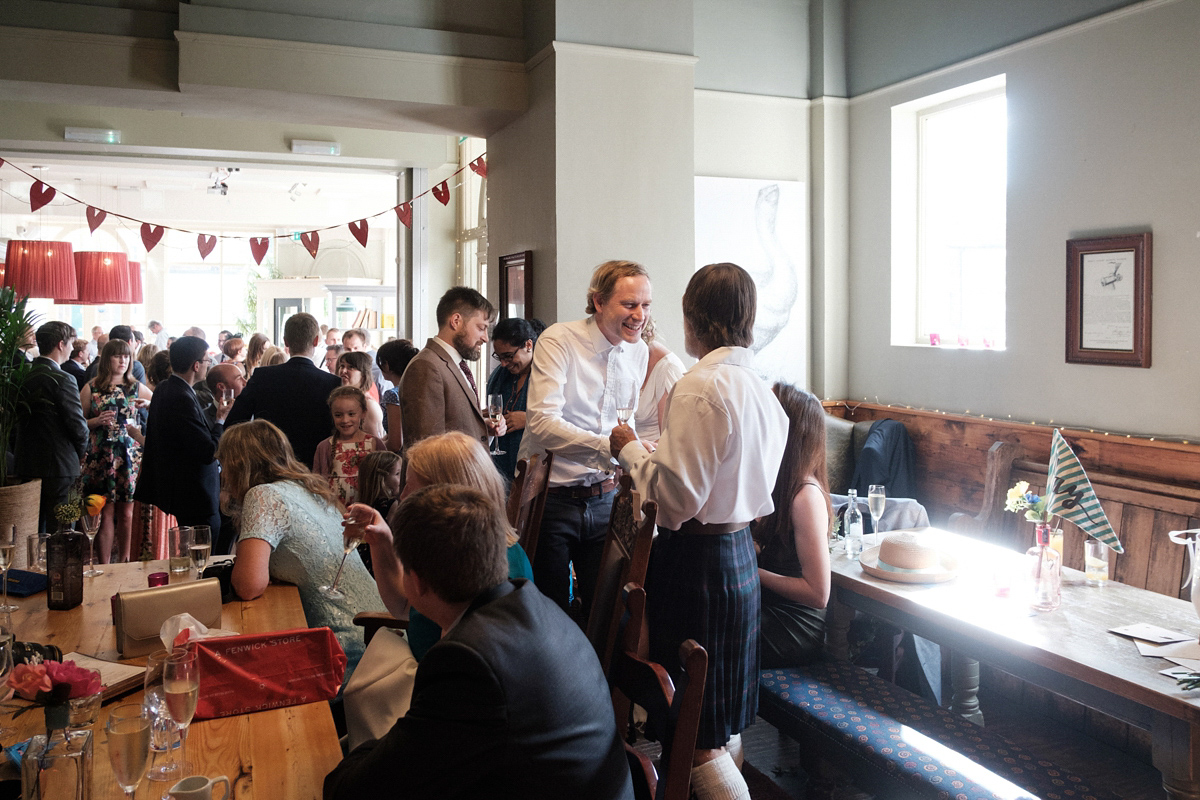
1141, 512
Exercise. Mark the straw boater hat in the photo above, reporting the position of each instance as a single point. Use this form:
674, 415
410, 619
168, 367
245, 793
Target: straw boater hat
905, 557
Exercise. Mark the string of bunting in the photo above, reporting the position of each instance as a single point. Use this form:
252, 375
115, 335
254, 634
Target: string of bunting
41, 193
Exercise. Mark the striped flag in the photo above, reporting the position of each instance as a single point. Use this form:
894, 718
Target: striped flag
1072, 496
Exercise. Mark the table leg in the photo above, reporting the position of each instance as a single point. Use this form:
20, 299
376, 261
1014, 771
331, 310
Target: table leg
964, 678
1176, 754
837, 629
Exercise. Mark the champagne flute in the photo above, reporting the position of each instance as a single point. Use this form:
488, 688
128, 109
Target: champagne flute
181, 690
495, 412
627, 398
876, 500
163, 728
91, 524
354, 537
8, 547
201, 547
128, 730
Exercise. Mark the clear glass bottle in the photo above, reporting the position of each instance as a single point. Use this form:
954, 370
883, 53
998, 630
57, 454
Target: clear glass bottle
58, 763
854, 526
1045, 572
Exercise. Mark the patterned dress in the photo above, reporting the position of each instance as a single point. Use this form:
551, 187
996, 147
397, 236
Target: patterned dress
338, 462
113, 458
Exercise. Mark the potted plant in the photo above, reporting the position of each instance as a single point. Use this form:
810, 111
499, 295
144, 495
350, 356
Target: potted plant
18, 500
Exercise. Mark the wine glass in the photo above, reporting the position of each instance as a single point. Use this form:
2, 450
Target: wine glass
627, 399
181, 689
201, 547
128, 730
91, 524
495, 412
8, 547
876, 500
163, 728
354, 537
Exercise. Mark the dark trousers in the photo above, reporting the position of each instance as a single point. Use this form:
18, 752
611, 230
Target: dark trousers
54, 491
213, 521
572, 531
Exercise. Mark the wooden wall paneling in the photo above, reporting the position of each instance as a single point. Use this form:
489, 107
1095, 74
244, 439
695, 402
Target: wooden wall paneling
1168, 561
1137, 528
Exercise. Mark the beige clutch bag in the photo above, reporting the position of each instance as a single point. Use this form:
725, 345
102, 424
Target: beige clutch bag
138, 615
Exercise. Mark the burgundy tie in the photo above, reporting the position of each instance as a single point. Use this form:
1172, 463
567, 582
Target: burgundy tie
470, 378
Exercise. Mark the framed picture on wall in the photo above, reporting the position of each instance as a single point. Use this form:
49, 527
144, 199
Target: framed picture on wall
516, 285
1108, 301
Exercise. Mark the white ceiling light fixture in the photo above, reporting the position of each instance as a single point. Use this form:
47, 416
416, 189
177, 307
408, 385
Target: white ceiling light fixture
310, 147
93, 135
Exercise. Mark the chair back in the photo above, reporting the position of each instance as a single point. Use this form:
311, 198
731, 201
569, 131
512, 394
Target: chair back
678, 707
624, 559
527, 499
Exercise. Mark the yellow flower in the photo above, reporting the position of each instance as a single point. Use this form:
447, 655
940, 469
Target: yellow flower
1015, 500
93, 504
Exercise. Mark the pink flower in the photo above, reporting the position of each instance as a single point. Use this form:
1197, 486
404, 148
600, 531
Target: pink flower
83, 682
29, 679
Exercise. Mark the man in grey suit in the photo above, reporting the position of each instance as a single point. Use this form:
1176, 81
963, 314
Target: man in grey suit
51, 433
438, 392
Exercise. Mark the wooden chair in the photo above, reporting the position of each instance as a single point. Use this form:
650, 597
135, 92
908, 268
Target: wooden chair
372, 621
527, 499
624, 560
646, 683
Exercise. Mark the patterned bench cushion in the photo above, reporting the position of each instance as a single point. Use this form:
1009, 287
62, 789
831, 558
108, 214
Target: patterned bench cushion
930, 751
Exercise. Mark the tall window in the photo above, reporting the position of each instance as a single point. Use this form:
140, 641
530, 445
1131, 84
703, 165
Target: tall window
949, 167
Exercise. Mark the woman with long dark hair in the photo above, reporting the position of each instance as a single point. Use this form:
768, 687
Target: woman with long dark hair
114, 454
392, 358
793, 541
354, 368
512, 345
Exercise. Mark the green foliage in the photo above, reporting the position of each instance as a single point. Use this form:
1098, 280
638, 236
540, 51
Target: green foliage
16, 321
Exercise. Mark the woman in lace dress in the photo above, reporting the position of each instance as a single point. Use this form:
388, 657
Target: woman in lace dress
290, 529
114, 453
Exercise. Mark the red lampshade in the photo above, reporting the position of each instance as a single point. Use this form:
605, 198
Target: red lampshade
103, 277
36, 268
135, 282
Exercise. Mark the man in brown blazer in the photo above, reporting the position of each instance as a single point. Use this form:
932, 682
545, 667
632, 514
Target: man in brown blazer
438, 392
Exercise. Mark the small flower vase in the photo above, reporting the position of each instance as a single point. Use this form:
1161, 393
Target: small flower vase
58, 764
1045, 572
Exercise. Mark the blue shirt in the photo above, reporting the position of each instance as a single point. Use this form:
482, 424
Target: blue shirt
505, 383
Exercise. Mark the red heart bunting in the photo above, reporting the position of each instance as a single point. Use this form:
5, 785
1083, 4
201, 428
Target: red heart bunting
404, 212
151, 235
205, 244
94, 217
258, 248
479, 167
359, 229
442, 193
311, 241
39, 195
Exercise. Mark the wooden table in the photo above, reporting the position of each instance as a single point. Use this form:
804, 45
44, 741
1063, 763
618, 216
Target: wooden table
1068, 651
284, 753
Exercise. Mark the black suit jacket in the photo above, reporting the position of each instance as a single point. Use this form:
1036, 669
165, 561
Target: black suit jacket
179, 467
77, 372
52, 433
510, 703
294, 395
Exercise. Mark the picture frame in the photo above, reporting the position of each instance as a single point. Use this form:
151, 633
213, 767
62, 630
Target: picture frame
516, 285
1109, 300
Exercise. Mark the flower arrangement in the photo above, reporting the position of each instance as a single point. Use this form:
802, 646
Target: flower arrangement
76, 505
51, 683
1021, 499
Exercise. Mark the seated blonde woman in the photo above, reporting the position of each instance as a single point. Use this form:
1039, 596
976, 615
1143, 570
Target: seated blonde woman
290, 529
450, 458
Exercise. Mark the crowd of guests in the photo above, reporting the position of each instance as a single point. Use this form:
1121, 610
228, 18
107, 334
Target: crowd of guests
294, 451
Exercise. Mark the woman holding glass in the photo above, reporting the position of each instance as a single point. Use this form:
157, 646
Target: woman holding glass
793, 541
512, 345
114, 452
290, 527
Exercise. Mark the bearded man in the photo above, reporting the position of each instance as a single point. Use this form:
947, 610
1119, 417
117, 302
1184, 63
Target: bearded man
438, 392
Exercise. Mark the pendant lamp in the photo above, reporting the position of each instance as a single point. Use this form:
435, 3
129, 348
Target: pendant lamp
103, 277
35, 268
135, 283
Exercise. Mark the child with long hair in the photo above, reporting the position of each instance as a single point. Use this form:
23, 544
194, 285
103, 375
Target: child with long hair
114, 453
339, 457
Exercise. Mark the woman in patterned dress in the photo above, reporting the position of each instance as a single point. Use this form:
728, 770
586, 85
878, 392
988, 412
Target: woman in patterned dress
338, 457
114, 453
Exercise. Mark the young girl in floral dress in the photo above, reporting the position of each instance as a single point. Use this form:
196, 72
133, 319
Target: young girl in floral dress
338, 458
114, 452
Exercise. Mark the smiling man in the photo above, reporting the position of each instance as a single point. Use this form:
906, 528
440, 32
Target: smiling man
438, 392
580, 370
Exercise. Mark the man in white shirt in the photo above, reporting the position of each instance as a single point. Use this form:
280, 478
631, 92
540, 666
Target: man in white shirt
580, 370
711, 475
160, 334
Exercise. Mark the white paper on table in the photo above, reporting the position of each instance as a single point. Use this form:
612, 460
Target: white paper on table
1187, 663
1173, 650
1175, 672
1151, 633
